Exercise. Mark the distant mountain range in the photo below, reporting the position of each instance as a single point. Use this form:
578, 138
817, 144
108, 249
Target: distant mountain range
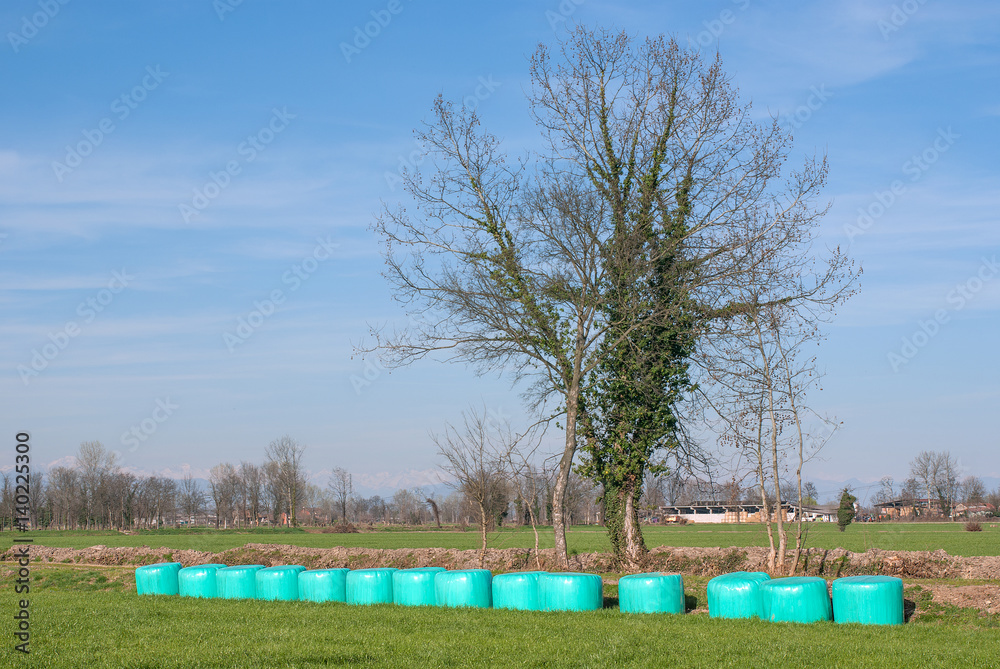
434, 481
385, 484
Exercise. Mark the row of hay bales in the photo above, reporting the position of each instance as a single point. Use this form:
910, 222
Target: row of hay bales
869, 600
861, 599
427, 586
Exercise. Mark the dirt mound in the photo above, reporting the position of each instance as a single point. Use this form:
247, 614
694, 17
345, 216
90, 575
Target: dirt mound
986, 598
695, 561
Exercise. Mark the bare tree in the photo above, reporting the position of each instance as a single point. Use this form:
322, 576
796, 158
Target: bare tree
253, 480
938, 477
222, 479
992, 500
192, 498
475, 456
408, 506
65, 496
526, 482
341, 485
886, 491
507, 267
284, 456
910, 493
973, 490
96, 465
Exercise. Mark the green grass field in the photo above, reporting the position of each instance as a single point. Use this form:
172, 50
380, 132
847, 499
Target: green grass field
950, 537
91, 617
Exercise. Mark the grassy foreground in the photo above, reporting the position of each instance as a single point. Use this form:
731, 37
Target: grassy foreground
950, 537
91, 617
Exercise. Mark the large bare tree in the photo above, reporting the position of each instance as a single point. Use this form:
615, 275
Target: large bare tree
532, 265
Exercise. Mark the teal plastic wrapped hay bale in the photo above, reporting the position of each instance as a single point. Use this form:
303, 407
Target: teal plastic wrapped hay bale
651, 593
198, 581
157, 579
415, 587
464, 588
280, 583
570, 591
869, 600
323, 585
238, 582
517, 590
736, 595
370, 586
799, 599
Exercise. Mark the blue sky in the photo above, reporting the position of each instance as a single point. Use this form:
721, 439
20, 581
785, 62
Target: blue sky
186, 190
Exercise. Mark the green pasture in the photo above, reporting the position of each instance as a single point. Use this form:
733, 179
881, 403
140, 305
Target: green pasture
91, 617
859, 537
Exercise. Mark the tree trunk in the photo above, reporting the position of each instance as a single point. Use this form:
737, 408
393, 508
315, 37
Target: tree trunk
482, 535
562, 479
779, 511
765, 515
798, 479
635, 547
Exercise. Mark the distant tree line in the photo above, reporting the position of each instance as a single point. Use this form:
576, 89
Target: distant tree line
97, 493
936, 488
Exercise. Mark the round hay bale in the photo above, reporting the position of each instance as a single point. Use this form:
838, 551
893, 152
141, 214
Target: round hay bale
517, 590
280, 583
868, 600
464, 588
651, 593
237, 582
798, 599
570, 591
198, 581
414, 587
323, 585
157, 579
736, 595
370, 586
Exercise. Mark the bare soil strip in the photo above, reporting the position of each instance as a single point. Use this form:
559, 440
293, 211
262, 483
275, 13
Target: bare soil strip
694, 561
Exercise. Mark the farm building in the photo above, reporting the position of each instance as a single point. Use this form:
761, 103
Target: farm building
719, 512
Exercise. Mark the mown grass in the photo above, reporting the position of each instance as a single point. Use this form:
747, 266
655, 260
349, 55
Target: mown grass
950, 537
78, 620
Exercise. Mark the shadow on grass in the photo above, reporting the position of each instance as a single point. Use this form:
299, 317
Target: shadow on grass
909, 608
